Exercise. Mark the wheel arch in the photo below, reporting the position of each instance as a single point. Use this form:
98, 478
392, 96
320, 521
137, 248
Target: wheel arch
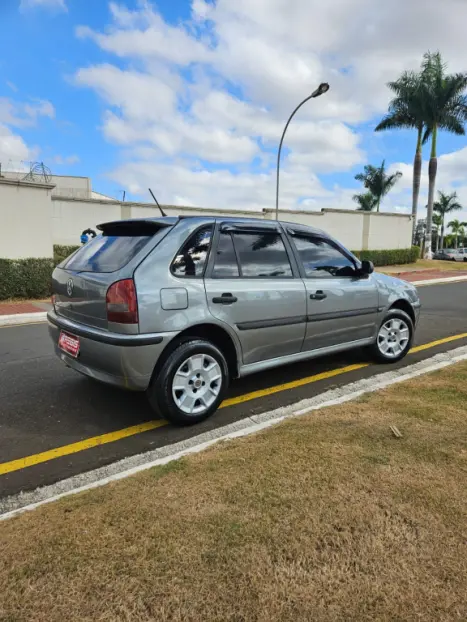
213, 333
404, 305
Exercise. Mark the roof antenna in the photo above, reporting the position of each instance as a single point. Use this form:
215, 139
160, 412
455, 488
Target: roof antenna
157, 202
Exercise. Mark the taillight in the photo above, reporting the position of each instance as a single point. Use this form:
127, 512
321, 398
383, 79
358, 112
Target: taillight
122, 305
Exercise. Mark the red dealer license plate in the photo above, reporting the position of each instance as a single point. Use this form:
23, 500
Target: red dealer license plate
69, 344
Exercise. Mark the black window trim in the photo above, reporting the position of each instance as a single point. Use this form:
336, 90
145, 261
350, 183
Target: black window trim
210, 272
235, 227
206, 263
231, 228
316, 236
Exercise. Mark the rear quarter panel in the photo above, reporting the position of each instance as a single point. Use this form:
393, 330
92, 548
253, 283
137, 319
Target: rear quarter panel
154, 275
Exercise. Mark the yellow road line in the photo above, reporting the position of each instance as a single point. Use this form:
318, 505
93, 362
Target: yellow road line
88, 443
438, 342
95, 441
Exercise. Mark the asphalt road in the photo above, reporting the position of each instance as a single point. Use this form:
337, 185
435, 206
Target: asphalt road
44, 405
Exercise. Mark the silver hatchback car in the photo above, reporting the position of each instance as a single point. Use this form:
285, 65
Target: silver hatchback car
178, 307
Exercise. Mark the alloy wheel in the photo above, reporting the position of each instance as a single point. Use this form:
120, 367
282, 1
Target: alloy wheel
197, 384
393, 338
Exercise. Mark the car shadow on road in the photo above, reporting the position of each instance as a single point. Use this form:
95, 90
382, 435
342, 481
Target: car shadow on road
90, 399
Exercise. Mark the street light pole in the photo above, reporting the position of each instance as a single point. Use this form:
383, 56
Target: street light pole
322, 88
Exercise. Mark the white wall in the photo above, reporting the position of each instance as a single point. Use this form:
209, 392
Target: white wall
356, 230
64, 185
74, 187
386, 231
70, 217
25, 216
141, 210
33, 219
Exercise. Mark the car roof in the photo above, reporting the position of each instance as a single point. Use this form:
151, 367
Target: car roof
169, 221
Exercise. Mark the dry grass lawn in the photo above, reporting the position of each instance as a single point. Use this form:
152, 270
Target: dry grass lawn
328, 517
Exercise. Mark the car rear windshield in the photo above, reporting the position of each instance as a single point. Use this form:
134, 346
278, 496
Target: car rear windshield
106, 253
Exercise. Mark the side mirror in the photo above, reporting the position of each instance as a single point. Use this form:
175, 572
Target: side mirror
367, 267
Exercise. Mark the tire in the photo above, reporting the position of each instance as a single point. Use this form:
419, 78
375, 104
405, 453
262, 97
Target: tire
395, 321
199, 370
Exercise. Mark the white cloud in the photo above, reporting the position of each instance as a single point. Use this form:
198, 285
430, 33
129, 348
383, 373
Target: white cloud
59, 5
24, 114
451, 177
66, 160
41, 108
187, 101
13, 149
140, 96
157, 40
220, 188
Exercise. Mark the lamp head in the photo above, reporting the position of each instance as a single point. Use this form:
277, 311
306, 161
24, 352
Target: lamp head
322, 88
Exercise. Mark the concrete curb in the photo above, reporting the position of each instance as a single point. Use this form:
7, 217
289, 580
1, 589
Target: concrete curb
16, 319
452, 279
24, 502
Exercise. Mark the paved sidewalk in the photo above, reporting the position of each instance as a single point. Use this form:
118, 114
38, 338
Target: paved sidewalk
28, 306
428, 275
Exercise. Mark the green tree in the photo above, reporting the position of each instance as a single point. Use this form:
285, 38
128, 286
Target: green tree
457, 229
445, 204
377, 181
366, 201
438, 223
445, 108
406, 111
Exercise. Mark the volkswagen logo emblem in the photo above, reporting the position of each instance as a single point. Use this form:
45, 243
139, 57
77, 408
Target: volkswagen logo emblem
69, 287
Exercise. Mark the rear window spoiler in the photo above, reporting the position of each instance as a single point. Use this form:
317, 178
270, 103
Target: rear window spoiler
136, 226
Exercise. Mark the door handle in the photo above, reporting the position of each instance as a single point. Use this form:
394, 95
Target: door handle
225, 299
319, 295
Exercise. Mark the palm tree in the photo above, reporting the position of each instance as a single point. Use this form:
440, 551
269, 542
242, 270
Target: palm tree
377, 181
366, 202
406, 111
445, 109
457, 229
437, 222
445, 204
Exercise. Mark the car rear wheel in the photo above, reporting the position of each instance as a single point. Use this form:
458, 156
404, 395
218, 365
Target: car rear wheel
191, 383
394, 338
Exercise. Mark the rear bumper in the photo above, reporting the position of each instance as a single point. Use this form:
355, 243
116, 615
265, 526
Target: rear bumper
126, 361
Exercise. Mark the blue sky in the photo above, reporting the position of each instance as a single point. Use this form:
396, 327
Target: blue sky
190, 97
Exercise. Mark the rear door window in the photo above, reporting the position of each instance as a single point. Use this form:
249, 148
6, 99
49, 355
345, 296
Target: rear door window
106, 253
262, 255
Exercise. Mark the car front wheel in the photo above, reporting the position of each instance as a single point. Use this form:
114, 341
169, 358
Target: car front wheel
394, 338
191, 384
